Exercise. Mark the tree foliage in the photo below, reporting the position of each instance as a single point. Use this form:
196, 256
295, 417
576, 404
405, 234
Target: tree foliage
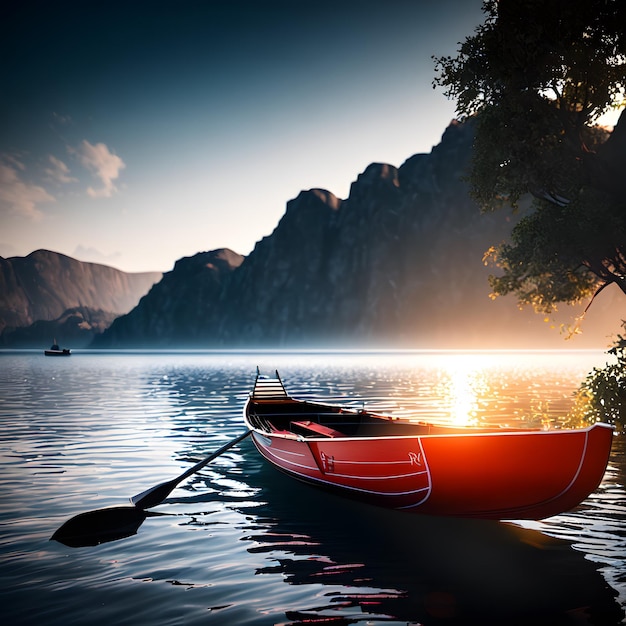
602, 395
536, 75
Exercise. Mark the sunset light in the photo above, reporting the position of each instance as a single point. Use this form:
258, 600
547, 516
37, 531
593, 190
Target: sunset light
312, 312
463, 389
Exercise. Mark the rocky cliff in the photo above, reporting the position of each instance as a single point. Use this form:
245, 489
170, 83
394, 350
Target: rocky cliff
44, 285
398, 263
181, 310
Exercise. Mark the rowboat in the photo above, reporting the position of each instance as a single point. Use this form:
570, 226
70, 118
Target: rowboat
420, 467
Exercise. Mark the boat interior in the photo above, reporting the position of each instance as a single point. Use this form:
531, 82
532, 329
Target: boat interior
270, 409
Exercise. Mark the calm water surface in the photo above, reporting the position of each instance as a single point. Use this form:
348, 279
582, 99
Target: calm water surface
239, 543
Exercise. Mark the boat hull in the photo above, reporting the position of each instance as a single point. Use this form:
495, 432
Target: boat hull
522, 474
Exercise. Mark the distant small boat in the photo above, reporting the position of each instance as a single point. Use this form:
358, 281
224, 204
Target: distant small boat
55, 350
421, 467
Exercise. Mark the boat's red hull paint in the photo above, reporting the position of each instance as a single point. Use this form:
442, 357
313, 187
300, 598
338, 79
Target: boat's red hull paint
510, 475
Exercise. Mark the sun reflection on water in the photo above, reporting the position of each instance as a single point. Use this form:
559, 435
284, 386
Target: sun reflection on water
461, 393
466, 387
473, 389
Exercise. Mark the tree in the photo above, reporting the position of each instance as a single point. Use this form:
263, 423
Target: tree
601, 397
536, 75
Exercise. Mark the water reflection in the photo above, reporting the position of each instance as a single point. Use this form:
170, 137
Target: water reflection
90, 432
529, 389
369, 563
596, 527
464, 388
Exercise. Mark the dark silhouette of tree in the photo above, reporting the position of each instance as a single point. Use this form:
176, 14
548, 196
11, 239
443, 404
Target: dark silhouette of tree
537, 75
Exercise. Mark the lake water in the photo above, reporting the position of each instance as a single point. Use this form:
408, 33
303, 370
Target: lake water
239, 543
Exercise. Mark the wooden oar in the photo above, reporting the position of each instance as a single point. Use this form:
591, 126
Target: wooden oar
155, 495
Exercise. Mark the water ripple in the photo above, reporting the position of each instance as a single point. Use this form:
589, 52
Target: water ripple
239, 543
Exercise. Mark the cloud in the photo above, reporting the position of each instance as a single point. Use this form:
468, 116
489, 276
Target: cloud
92, 255
61, 120
58, 172
18, 197
104, 164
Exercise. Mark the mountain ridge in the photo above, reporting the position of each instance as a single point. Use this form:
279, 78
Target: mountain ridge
44, 285
396, 264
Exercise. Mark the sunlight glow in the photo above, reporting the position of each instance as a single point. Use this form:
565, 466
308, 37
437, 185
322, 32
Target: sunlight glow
465, 386
610, 117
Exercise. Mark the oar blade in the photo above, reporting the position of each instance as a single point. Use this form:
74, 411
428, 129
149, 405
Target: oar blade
95, 527
154, 496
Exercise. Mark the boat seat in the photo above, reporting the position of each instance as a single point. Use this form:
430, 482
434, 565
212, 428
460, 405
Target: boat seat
314, 428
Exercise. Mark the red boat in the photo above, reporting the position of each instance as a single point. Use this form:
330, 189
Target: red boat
489, 473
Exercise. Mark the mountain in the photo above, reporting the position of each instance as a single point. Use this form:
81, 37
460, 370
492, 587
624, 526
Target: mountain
76, 327
181, 310
396, 264
46, 286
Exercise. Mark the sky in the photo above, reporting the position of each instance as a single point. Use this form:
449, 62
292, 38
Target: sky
137, 133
